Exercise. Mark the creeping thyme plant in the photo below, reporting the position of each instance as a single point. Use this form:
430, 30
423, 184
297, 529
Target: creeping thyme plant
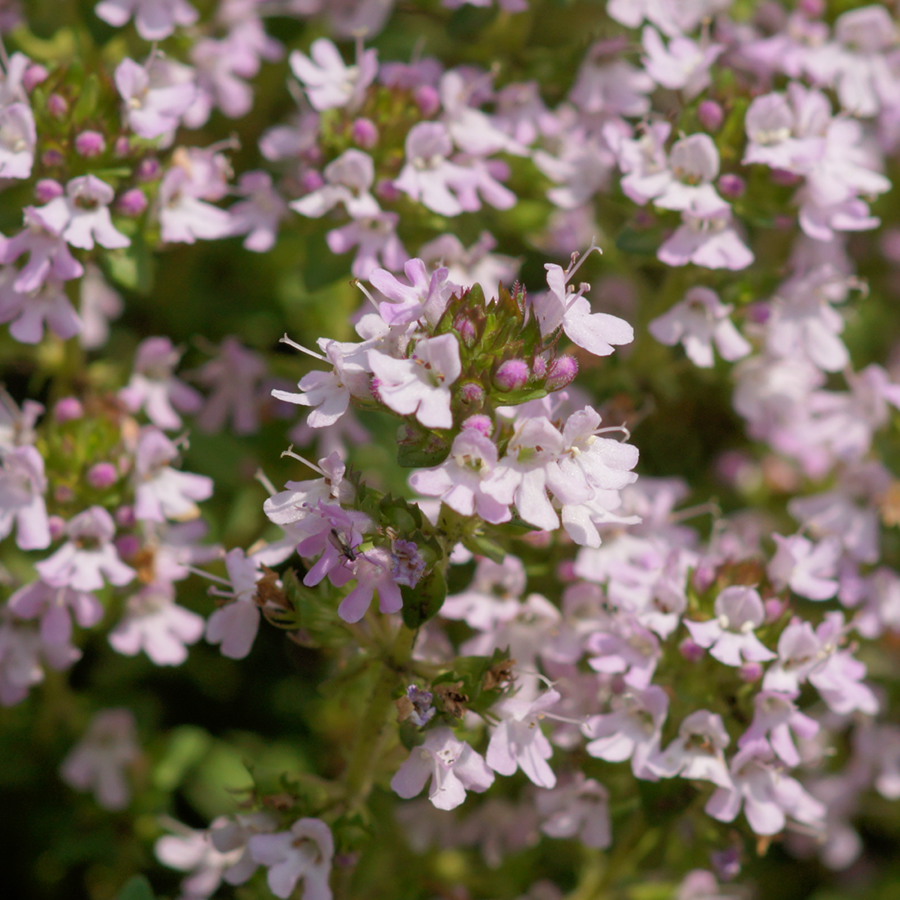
448, 449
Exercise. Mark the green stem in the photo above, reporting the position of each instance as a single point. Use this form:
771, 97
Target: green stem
373, 732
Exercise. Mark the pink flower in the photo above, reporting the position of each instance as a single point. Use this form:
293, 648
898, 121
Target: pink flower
154, 623
156, 95
698, 322
235, 624
55, 607
775, 717
767, 795
89, 558
707, 237
809, 569
82, 215
451, 765
100, 760
329, 82
683, 65
162, 492
739, 610
518, 742
419, 385
305, 852
18, 138
348, 180
579, 808
22, 488
154, 387
697, 752
154, 20
259, 213
374, 571
426, 296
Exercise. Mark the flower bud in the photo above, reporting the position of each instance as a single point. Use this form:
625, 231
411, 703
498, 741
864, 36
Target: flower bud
512, 375
711, 115
102, 475
732, 186
775, 608
149, 169
311, 180
52, 158
812, 8
57, 526
750, 671
365, 133
57, 106
128, 545
122, 146
125, 517
539, 367
562, 372
427, 99
89, 144
472, 393
690, 651
34, 75
387, 191
133, 202
48, 189
68, 409
479, 423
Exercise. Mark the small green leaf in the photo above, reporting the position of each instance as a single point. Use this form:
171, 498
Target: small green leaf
137, 888
423, 602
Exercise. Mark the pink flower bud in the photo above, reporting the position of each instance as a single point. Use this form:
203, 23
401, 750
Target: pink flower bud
149, 169
133, 202
472, 393
48, 189
539, 367
775, 608
34, 75
562, 372
428, 99
128, 545
690, 651
387, 191
52, 158
750, 671
565, 571
479, 423
812, 8
102, 475
89, 144
512, 374
311, 180
785, 178
68, 409
122, 146
125, 517
57, 106
704, 576
57, 526
732, 186
466, 330
365, 133
711, 115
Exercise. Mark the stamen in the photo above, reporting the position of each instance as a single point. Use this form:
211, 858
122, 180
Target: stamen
284, 339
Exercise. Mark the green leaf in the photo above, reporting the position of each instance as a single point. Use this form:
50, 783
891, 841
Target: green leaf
137, 888
132, 267
423, 602
88, 97
641, 243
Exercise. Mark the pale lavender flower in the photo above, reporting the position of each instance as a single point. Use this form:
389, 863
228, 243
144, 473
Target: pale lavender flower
18, 138
156, 95
330, 83
707, 237
100, 760
697, 752
807, 568
769, 796
234, 624
775, 718
184, 213
305, 852
162, 492
374, 571
632, 730
473, 265
348, 180
419, 385
426, 296
451, 765
49, 257
154, 388
22, 488
82, 215
99, 304
88, 560
683, 65
518, 742
470, 480
55, 606
29, 312
698, 322
375, 238
154, 20
257, 216
579, 809
155, 624
729, 637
